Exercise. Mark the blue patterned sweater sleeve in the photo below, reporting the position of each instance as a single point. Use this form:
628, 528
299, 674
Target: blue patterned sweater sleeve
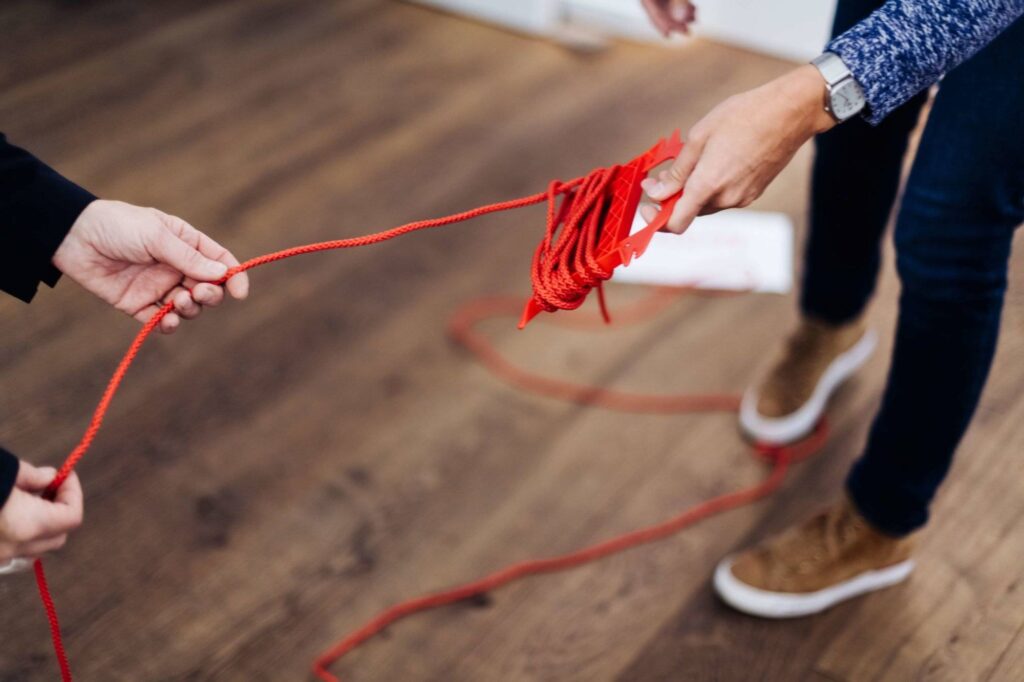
907, 45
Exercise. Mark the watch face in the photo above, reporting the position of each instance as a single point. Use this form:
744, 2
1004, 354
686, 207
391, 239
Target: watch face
846, 99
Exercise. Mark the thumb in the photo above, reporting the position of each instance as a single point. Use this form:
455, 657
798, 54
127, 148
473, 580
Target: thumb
672, 180
32, 478
170, 249
698, 192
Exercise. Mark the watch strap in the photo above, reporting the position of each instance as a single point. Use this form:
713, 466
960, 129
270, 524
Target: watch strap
832, 68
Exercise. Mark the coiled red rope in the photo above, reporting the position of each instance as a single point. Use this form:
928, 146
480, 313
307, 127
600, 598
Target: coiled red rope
564, 270
565, 266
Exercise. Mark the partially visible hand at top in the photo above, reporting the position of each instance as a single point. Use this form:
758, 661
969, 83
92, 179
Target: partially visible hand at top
670, 16
737, 149
137, 259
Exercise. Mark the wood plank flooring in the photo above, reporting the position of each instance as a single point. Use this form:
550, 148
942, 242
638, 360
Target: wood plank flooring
283, 468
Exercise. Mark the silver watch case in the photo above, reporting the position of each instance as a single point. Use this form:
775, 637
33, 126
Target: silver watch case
844, 97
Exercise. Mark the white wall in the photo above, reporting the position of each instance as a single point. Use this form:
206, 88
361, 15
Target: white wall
533, 16
794, 29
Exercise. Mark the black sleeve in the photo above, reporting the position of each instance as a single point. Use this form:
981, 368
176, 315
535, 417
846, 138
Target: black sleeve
37, 208
8, 473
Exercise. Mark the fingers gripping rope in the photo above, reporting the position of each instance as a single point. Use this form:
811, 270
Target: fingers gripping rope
568, 263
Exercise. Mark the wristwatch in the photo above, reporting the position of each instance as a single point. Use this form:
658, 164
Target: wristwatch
845, 97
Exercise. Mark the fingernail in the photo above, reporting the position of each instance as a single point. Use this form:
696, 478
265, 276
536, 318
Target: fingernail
679, 12
218, 270
652, 186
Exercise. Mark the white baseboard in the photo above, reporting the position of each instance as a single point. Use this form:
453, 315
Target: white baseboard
791, 29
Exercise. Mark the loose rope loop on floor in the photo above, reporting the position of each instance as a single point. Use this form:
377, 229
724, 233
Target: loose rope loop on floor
565, 269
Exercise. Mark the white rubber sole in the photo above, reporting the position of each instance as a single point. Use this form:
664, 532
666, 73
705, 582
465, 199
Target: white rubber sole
793, 427
766, 604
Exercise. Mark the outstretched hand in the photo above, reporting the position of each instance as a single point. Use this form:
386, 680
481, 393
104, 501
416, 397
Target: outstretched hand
137, 259
734, 152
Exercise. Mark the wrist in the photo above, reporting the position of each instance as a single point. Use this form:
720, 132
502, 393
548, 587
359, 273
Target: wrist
70, 248
806, 89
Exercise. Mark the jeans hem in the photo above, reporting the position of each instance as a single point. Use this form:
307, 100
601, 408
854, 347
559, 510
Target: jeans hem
877, 520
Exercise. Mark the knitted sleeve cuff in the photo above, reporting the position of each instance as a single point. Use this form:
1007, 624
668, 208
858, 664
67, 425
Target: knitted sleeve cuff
906, 45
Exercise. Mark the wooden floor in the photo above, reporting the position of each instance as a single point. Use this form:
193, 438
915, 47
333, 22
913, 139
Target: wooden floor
277, 472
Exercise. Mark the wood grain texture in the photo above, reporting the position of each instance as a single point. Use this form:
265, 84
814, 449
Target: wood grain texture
281, 469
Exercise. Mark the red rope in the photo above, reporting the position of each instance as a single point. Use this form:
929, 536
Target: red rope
51, 616
462, 329
564, 270
353, 242
565, 266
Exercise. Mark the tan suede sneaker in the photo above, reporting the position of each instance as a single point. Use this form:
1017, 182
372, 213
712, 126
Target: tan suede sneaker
833, 557
815, 360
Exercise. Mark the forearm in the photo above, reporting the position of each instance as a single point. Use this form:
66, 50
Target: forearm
907, 45
37, 208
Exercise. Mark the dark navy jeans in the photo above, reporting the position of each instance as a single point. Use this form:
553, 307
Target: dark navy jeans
963, 200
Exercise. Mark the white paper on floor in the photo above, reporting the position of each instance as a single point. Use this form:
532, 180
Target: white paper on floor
734, 250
